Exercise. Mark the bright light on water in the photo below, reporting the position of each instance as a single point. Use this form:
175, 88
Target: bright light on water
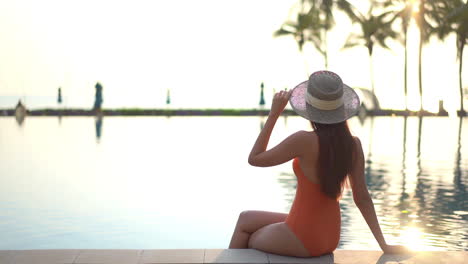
413, 237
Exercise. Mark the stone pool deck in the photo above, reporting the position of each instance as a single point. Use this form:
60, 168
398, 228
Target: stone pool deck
130, 256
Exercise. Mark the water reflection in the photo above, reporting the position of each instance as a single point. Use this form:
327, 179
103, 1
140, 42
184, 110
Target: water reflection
98, 124
288, 181
403, 201
460, 197
458, 173
262, 120
415, 170
20, 119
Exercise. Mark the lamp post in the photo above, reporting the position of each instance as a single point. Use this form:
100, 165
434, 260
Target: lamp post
262, 97
168, 97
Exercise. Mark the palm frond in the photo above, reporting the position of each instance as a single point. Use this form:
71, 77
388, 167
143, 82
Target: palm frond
349, 10
317, 44
282, 32
460, 13
353, 40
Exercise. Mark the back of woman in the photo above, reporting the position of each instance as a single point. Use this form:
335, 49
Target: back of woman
322, 160
315, 214
314, 217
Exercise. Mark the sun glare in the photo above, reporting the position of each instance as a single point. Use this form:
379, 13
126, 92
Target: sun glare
414, 239
415, 5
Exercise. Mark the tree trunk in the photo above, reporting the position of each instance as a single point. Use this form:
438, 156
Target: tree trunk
458, 168
406, 71
460, 79
306, 66
371, 71
326, 60
422, 38
420, 71
403, 165
325, 49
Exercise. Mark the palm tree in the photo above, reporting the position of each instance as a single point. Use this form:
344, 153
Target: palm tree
375, 29
404, 14
318, 31
297, 28
313, 21
459, 19
322, 13
422, 16
451, 16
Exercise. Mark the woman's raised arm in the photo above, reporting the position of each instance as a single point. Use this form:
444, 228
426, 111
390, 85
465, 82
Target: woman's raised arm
288, 149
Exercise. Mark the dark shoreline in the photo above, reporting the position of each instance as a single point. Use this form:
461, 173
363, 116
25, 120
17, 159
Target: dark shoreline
199, 112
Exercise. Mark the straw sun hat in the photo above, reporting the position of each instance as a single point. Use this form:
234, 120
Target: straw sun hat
324, 98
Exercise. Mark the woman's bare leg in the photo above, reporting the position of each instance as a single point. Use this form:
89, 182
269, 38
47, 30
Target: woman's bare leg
278, 239
251, 221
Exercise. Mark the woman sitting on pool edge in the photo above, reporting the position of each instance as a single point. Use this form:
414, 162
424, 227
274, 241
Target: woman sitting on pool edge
322, 160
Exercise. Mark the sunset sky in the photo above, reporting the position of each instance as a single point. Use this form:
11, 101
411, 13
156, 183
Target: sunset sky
209, 53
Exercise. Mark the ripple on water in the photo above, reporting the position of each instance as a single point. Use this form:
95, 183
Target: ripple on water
418, 183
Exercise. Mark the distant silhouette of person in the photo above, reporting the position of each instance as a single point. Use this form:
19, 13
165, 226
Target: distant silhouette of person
19, 105
20, 112
98, 98
59, 97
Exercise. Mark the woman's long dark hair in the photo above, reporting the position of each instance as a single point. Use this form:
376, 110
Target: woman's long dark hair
336, 147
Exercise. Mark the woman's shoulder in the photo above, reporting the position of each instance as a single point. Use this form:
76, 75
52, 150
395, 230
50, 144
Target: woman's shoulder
307, 138
357, 141
306, 143
306, 134
357, 148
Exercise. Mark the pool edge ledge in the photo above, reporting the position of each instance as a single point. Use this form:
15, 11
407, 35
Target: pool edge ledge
136, 256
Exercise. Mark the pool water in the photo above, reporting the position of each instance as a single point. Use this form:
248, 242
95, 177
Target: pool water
181, 182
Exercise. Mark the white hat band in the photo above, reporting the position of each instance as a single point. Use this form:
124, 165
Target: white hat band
324, 104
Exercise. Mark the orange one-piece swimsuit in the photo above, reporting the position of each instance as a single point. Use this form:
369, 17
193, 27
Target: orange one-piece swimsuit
314, 217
